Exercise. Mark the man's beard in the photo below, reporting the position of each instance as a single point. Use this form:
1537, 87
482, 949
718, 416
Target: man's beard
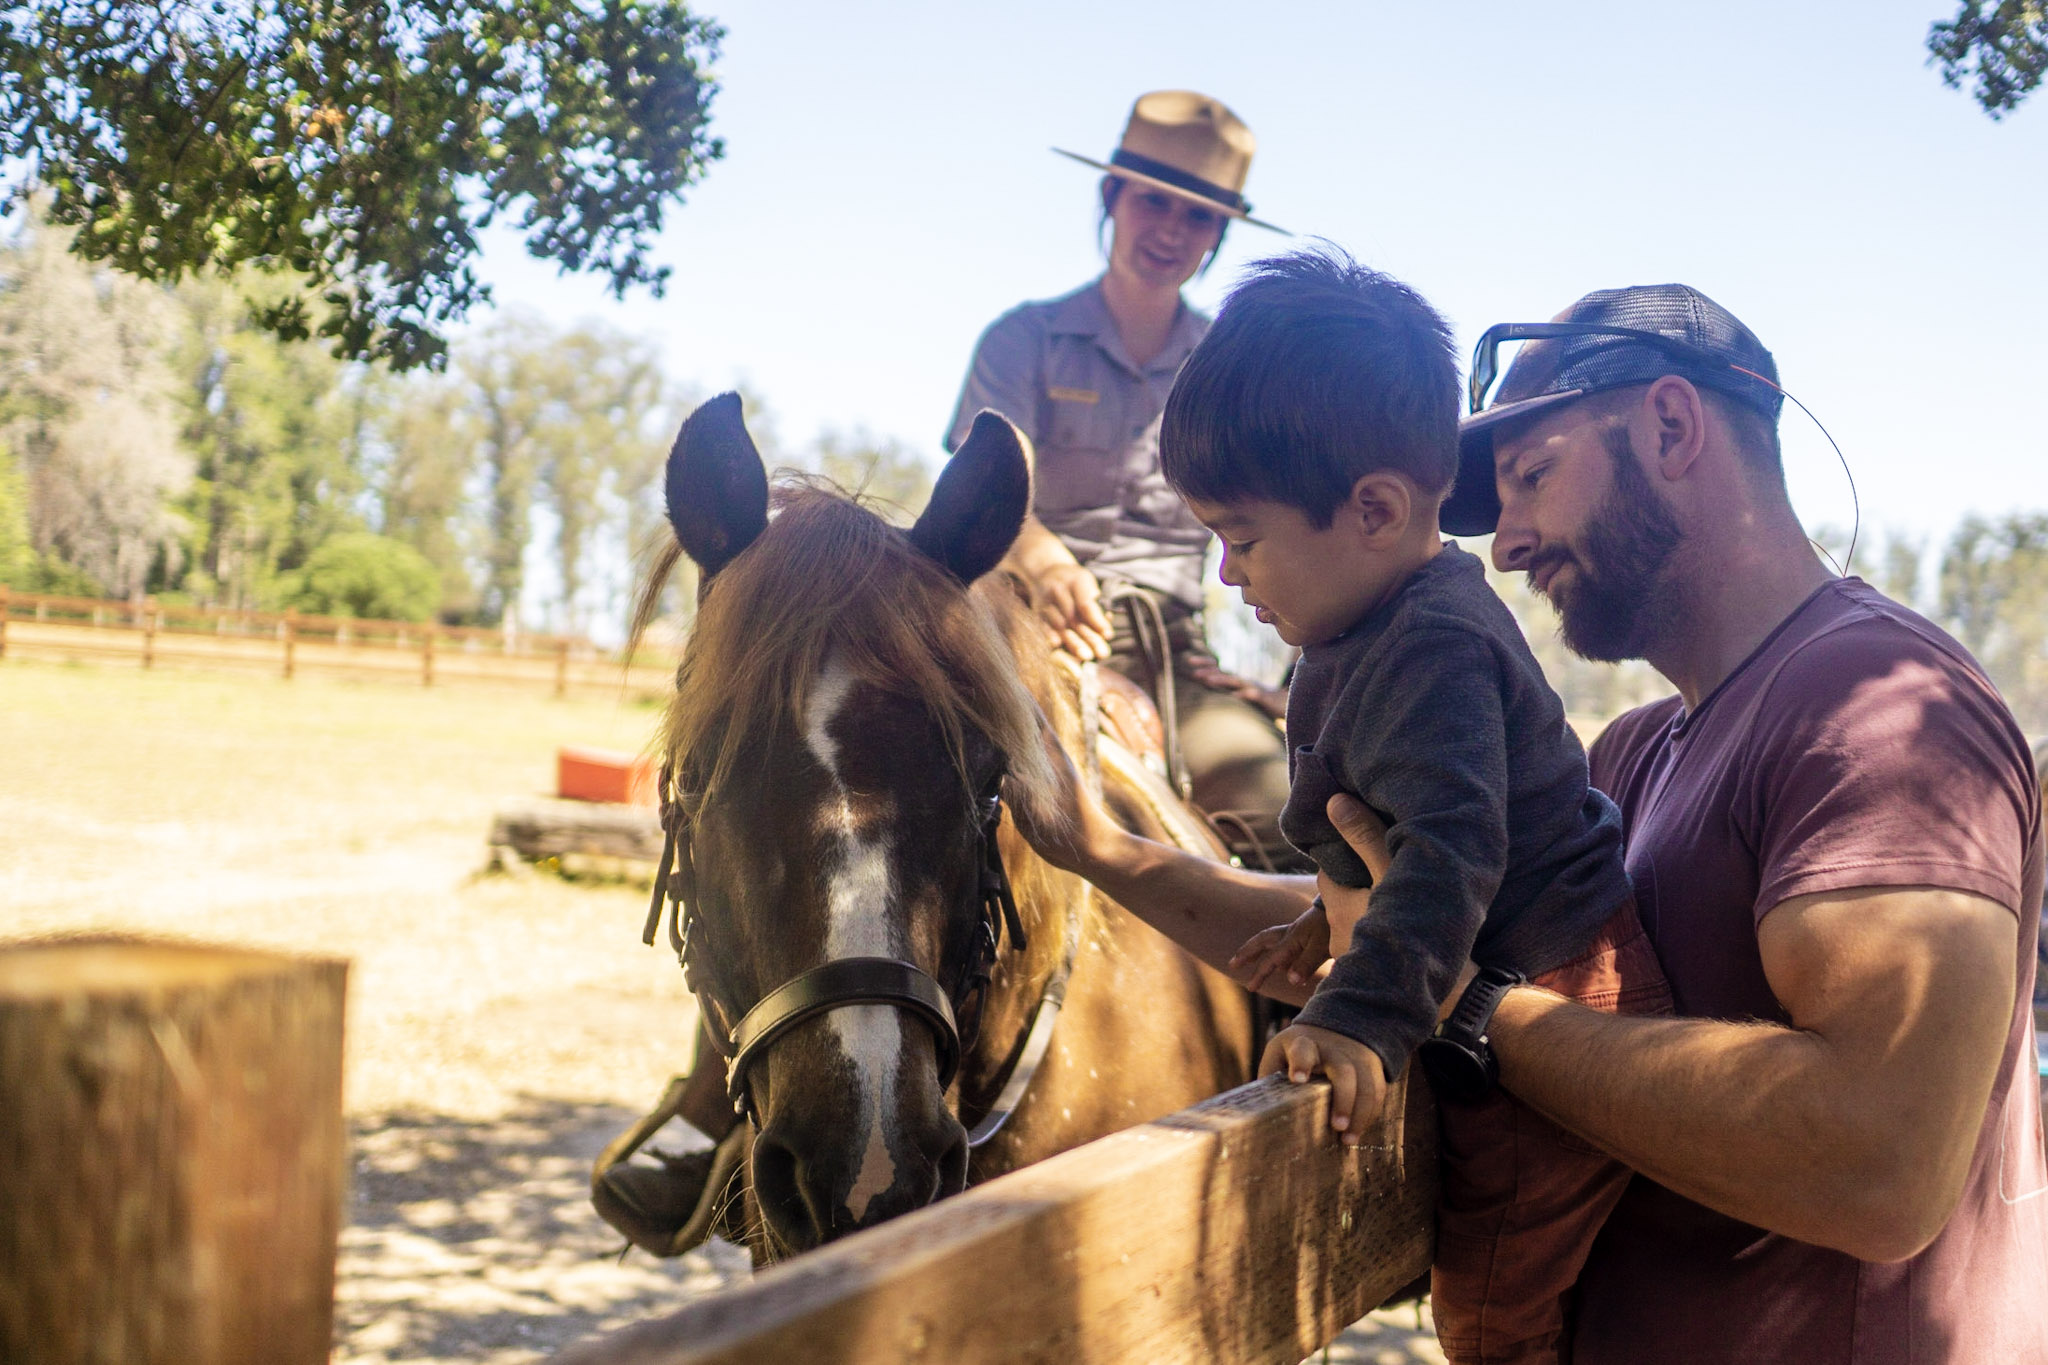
1620, 600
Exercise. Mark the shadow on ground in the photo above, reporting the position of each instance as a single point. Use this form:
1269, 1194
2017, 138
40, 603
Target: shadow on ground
475, 1241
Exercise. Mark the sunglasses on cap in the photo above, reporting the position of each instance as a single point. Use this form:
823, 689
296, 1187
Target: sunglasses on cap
1486, 355
1486, 369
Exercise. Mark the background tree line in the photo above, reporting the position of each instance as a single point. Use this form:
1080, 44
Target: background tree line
160, 439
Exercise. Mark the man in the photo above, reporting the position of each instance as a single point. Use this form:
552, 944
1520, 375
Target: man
1833, 831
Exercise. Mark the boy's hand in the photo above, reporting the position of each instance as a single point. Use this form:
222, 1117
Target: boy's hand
1297, 948
1076, 828
1358, 1082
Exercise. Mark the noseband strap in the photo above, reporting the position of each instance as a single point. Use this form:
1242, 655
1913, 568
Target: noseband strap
836, 985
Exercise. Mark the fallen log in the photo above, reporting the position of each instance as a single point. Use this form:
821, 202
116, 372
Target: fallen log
541, 829
171, 1153
1236, 1230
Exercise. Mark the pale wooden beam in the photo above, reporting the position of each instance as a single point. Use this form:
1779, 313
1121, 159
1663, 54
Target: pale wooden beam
1233, 1231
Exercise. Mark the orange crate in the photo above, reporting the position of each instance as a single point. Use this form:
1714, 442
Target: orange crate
604, 775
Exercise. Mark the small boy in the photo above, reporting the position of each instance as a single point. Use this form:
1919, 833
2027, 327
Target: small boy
1315, 431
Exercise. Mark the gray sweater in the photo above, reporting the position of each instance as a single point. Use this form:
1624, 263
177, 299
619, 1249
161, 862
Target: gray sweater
1433, 712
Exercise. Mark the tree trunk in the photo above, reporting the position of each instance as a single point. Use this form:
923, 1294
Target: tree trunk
171, 1153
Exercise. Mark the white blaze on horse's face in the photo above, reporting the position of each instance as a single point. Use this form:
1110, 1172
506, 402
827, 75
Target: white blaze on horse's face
862, 889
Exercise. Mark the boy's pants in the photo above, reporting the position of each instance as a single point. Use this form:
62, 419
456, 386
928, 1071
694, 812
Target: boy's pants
1520, 1199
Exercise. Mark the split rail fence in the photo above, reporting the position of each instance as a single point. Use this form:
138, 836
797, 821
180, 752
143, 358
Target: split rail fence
152, 634
173, 1118
1235, 1231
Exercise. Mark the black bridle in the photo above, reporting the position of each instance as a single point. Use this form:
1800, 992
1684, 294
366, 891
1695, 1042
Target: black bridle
844, 981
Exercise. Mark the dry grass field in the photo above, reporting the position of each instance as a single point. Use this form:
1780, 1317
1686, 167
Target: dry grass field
501, 1027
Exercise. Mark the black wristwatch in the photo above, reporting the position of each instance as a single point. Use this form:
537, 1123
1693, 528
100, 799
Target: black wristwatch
1458, 1057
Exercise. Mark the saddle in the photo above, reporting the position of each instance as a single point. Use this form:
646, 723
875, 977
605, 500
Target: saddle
1130, 718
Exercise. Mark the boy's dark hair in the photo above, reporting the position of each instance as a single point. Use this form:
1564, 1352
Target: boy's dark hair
1318, 371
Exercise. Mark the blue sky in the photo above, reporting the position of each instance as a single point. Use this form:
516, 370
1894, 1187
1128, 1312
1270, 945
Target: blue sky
887, 191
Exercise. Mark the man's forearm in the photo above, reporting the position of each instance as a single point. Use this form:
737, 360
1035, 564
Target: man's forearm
1771, 1125
1852, 1129
1208, 908
1698, 1105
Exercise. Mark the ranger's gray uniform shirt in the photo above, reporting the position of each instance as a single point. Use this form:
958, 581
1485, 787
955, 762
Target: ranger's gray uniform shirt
1059, 371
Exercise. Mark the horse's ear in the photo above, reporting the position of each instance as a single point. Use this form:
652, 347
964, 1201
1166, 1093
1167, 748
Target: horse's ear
979, 504
717, 486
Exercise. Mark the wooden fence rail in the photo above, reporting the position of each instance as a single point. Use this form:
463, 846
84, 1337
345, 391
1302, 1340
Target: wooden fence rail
425, 653
172, 1117
1234, 1231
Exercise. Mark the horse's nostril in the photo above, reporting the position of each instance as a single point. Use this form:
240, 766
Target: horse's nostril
779, 1191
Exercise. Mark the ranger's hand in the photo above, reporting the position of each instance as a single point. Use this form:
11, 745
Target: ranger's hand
1069, 602
1271, 700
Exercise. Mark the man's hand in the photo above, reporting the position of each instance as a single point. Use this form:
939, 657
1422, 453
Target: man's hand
1069, 602
1298, 949
1368, 839
1358, 1080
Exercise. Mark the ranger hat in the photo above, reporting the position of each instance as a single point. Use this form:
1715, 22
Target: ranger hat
1188, 144
1607, 340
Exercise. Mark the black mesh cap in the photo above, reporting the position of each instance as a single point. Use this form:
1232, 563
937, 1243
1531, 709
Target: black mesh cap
1707, 345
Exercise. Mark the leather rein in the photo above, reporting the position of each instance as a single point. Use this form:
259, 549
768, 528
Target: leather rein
849, 981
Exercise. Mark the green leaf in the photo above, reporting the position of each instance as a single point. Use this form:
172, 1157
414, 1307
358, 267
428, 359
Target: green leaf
363, 145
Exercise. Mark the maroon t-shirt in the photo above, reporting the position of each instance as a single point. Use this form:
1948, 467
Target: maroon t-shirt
1857, 747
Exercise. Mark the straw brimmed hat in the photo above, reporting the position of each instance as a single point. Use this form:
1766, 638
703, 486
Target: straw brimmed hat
1189, 145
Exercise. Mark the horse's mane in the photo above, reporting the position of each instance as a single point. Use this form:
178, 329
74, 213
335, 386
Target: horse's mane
830, 579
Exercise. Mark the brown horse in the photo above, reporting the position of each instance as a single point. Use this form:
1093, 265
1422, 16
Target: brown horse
854, 707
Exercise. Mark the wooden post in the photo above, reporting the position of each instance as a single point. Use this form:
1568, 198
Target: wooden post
427, 656
171, 1153
562, 666
149, 616
1236, 1230
289, 627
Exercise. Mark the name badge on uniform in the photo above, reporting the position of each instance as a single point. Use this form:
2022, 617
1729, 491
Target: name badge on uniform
1060, 395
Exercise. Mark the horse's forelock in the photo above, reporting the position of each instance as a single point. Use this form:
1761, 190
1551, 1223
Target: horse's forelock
829, 579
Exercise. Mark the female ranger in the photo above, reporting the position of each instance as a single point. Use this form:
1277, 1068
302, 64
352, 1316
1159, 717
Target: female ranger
1085, 377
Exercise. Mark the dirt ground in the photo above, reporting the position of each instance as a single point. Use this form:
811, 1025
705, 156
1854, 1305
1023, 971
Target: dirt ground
501, 1028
